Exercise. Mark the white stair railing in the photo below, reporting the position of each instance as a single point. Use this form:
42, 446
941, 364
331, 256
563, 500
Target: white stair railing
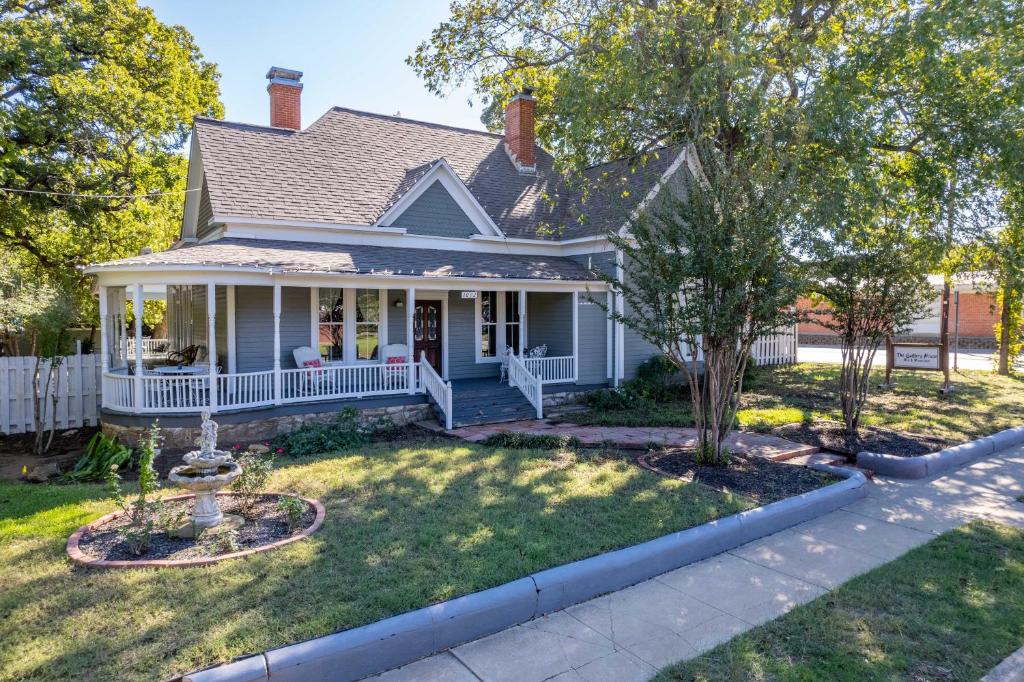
529, 384
438, 389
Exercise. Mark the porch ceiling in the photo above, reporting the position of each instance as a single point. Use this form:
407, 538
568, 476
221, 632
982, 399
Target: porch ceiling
274, 256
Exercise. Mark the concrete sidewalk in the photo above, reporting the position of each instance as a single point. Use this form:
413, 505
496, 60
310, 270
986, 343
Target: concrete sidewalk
632, 633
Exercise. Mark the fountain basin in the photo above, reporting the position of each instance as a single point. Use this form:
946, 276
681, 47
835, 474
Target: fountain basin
205, 482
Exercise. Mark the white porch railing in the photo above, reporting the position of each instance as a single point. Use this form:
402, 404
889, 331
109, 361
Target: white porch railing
437, 388
343, 381
250, 389
529, 384
553, 370
150, 347
173, 394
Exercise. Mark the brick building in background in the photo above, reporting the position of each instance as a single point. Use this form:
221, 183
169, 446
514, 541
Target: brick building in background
977, 319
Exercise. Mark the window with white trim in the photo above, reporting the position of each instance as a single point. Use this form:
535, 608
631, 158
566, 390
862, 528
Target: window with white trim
497, 324
367, 324
488, 324
349, 325
331, 330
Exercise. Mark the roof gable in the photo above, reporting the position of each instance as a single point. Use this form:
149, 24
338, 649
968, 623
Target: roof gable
439, 204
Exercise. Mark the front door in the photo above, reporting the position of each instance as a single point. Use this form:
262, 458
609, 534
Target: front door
426, 329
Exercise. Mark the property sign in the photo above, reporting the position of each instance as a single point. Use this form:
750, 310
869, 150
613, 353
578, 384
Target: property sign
916, 356
468, 294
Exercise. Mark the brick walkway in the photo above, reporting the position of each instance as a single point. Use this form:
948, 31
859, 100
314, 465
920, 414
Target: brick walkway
759, 444
632, 633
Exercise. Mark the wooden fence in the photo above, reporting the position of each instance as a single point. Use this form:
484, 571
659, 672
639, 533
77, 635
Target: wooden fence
78, 391
776, 349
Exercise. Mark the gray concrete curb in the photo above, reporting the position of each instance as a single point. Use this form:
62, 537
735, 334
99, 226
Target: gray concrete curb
393, 642
943, 460
1010, 670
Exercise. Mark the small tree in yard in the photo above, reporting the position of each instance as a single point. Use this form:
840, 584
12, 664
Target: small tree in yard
708, 271
872, 259
39, 315
1001, 256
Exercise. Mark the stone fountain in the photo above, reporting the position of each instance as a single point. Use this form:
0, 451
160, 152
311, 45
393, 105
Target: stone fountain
206, 471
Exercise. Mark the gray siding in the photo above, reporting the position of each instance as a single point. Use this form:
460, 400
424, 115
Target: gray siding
295, 323
437, 214
462, 341
549, 321
396, 316
199, 319
222, 327
203, 226
593, 349
636, 349
603, 262
254, 326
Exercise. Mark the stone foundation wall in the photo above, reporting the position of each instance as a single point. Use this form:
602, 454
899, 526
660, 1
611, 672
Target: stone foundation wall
266, 429
567, 398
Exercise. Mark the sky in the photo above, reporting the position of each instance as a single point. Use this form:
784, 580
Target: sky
351, 52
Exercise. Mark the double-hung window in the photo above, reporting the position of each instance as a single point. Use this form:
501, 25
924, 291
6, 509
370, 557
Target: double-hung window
350, 325
497, 324
367, 323
331, 332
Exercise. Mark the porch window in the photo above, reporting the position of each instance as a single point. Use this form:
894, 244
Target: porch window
367, 323
512, 320
488, 324
332, 324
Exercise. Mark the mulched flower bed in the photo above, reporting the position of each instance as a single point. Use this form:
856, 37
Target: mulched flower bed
762, 480
264, 525
829, 435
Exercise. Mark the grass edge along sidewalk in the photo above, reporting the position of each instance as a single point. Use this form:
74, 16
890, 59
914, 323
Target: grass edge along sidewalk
950, 609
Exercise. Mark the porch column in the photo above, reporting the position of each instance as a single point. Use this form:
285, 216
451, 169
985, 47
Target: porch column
575, 334
410, 314
522, 320
277, 344
620, 334
211, 340
104, 342
609, 334
137, 309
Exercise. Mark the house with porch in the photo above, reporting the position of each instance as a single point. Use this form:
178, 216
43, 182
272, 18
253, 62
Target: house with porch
407, 268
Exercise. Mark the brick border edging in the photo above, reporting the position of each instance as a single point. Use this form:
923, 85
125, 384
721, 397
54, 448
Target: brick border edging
941, 461
79, 557
392, 642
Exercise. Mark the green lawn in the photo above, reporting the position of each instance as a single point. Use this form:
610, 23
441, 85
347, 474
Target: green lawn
982, 403
407, 524
949, 610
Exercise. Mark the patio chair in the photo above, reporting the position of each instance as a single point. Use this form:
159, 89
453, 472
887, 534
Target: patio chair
310, 382
394, 354
540, 351
185, 356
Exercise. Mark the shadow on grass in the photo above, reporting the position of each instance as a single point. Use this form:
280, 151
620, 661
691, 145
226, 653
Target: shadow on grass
405, 527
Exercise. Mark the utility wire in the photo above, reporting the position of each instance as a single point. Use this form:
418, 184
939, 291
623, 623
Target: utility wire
96, 196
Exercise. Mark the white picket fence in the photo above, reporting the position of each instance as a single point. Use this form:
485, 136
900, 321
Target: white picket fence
78, 391
776, 349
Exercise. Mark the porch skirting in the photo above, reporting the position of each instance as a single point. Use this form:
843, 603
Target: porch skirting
247, 426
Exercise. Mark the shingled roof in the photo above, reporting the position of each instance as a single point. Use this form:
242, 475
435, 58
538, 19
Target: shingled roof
306, 257
350, 166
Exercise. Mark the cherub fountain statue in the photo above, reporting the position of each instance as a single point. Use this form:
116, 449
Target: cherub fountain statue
206, 471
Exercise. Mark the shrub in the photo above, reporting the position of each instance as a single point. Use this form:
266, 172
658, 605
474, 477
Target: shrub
141, 512
531, 441
101, 453
293, 509
656, 379
343, 432
227, 541
608, 399
250, 484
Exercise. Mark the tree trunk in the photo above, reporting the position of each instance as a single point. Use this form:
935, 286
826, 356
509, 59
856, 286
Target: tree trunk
1004, 333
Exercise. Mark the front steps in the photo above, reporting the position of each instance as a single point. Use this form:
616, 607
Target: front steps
485, 401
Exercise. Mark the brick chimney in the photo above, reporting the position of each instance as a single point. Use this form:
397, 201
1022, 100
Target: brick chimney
519, 131
285, 98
